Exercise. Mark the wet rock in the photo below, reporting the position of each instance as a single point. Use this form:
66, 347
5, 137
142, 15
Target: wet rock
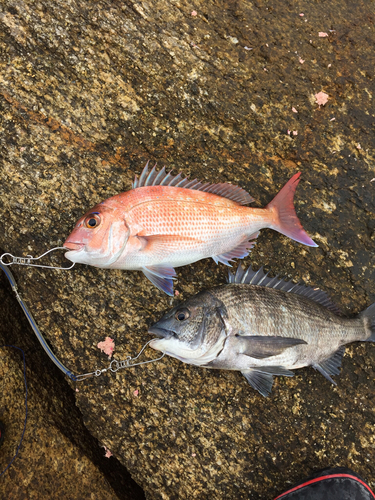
57, 457
90, 92
48, 461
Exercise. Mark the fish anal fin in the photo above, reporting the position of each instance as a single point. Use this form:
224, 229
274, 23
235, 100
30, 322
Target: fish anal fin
239, 252
260, 347
161, 277
163, 178
331, 366
324, 373
261, 378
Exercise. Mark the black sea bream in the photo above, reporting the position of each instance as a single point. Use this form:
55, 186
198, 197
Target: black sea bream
262, 327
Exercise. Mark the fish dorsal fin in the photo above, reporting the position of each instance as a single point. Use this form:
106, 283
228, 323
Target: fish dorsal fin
260, 278
162, 178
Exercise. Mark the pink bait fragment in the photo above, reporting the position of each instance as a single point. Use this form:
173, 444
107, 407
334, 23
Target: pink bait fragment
177, 293
295, 132
301, 61
294, 110
302, 14
136, 392
107, 346
194, 13
323, 34
108, 454
321, 98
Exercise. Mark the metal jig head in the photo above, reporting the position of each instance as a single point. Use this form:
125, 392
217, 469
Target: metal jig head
27, 261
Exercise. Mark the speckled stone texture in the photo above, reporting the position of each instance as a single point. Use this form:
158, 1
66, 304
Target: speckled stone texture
58, 458
48, 461
89, 91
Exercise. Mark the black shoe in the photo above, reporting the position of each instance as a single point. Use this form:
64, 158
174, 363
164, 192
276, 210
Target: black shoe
333, 484
2, 430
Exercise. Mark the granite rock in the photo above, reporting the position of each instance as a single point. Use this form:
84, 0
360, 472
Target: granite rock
57, 457
223, 91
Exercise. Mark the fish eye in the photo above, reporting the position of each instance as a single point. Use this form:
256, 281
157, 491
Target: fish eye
92, 221
182, 314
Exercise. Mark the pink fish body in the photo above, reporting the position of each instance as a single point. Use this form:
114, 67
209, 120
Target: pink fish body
166, 221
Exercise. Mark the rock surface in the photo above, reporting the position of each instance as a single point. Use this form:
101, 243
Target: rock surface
224, 92
48, 461
58, 458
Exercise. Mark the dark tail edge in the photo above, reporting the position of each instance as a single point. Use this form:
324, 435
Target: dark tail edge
288, 222
368, 316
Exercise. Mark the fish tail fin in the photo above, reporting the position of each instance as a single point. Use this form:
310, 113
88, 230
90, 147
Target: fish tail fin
285, 219
368, 316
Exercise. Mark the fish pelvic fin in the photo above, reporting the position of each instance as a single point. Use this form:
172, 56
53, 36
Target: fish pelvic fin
368, 316
261, 378
161, 277
285, 219
331, 366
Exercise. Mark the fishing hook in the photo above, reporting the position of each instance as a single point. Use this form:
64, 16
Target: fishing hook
27, 261
114, 366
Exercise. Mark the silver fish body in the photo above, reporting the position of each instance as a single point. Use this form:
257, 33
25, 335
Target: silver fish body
262, 327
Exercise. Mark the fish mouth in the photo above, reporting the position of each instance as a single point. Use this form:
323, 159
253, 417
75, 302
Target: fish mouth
160, 332
71, 245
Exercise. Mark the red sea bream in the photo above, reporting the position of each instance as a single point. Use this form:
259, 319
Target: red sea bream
166, 221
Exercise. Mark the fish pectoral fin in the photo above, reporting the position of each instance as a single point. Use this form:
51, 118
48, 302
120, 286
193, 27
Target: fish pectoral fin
165, 244
260, 347
239, 252
161, 277
331, 366
261, 378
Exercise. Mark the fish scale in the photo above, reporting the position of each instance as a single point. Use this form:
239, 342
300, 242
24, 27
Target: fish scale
261, 311
262, 327
166, 221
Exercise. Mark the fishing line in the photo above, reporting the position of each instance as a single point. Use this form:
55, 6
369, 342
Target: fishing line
24, 425
113, 367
